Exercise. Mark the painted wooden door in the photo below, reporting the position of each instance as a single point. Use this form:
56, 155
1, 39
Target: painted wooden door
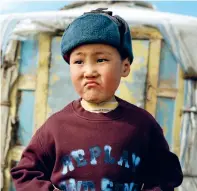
22, 103
165, 92
27, 97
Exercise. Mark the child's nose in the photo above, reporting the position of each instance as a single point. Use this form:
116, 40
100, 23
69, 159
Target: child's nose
90, 71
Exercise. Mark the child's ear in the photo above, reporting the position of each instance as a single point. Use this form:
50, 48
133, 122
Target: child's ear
125, 67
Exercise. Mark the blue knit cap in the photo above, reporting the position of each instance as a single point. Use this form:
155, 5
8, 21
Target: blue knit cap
97, 26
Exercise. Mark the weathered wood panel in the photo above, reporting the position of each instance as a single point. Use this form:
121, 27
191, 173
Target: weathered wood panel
26, 117
60, 88
44, 45
152, 77
29, 57
22, 102
27, 69
178, 112
133, 87
167, 69
165, 117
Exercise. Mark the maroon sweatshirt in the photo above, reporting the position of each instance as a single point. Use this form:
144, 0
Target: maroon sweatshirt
79, 150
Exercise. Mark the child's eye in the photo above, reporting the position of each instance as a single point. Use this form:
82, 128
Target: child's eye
102, 60
78, 62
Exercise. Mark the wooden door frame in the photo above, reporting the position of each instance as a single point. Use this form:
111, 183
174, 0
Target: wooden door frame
152, 89
38, 83
41, 92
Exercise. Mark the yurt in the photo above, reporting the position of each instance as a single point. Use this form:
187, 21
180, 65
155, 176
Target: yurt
35, 80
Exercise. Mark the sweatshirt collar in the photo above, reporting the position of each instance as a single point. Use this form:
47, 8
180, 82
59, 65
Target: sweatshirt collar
103, 107
111, 115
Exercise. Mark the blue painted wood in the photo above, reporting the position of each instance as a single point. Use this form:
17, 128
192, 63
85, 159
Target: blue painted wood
61, 90
168, 68
165, 117
26, 117
29, 57
28, 66
12, 187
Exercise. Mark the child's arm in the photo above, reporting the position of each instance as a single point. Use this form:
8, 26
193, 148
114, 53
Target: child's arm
162, 166
34, 169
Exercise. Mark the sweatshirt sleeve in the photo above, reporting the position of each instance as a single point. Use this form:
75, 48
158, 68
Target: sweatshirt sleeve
162, 166
34, 169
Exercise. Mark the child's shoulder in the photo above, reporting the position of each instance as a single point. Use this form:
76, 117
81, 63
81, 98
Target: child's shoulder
58, 118
62, 113
141, 118
133, 110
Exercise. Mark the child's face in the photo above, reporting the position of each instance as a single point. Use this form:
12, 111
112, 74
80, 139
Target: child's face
96, 70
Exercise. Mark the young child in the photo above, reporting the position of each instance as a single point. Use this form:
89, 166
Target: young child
99, 142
